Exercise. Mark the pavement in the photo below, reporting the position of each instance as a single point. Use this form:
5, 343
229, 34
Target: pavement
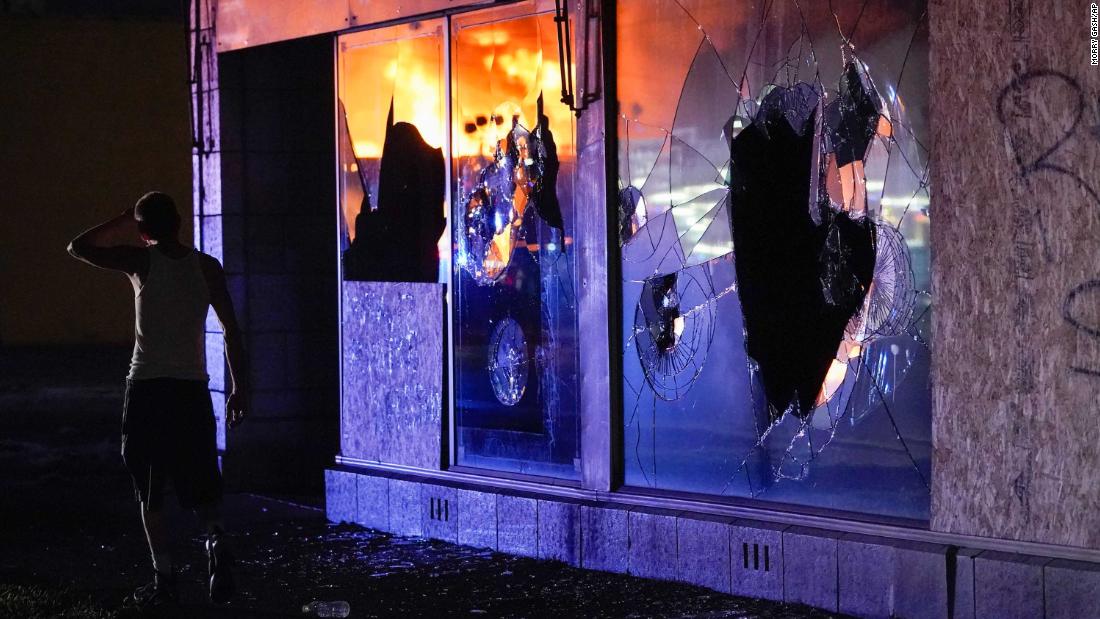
73, 544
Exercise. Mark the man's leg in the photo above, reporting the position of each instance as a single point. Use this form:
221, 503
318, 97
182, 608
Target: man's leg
143, 453
205, 492
160, 544
163, 588
198, 480
218, 556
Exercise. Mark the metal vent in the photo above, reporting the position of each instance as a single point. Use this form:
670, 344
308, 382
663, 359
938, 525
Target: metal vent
439, 509
756, 557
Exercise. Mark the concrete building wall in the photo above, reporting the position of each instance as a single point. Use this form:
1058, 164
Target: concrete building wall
277, 226
93, 113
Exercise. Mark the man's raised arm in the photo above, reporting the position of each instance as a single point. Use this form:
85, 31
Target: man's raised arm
99, 246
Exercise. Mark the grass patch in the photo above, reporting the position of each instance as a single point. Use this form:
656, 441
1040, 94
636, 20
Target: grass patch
35, 602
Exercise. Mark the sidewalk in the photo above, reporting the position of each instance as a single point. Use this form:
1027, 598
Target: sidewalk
73, 545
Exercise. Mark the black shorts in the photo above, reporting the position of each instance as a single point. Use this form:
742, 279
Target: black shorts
168, 434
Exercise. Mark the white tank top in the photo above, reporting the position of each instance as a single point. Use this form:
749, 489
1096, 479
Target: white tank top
170, 319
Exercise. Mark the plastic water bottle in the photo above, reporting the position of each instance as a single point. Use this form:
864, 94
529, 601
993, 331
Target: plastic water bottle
318, 608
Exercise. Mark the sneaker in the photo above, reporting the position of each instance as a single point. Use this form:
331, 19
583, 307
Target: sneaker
219, 564
161, 592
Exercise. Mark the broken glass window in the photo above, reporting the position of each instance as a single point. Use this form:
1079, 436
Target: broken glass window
514, 317
773, 222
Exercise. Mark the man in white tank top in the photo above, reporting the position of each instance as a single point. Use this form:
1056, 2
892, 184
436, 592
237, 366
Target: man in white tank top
168, 425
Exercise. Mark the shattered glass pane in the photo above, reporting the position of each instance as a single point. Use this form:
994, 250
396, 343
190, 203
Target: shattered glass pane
508, 362
391, 159
514, 332
773, 224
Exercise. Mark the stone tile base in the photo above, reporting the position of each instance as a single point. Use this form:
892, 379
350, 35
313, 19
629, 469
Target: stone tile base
810, 567
854, 574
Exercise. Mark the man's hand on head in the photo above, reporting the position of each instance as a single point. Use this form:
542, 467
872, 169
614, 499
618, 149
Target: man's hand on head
115, 244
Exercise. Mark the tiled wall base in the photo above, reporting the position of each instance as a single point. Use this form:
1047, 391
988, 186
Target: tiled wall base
853, 574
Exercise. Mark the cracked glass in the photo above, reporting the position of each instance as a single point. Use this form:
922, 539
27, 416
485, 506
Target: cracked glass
514, 335
773, 227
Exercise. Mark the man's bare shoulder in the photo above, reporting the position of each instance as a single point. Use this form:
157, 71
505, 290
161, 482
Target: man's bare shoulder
210, 265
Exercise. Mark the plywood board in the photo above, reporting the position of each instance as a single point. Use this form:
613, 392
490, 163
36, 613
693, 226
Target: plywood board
392, 373
1016, 271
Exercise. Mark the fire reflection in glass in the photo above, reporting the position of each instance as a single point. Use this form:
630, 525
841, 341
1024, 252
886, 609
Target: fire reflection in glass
392, 164
514, 329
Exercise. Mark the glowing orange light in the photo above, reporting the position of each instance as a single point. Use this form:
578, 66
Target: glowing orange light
498, 70
834, 378
406, 71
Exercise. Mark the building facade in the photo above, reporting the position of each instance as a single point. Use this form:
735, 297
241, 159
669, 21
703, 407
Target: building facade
790, 300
